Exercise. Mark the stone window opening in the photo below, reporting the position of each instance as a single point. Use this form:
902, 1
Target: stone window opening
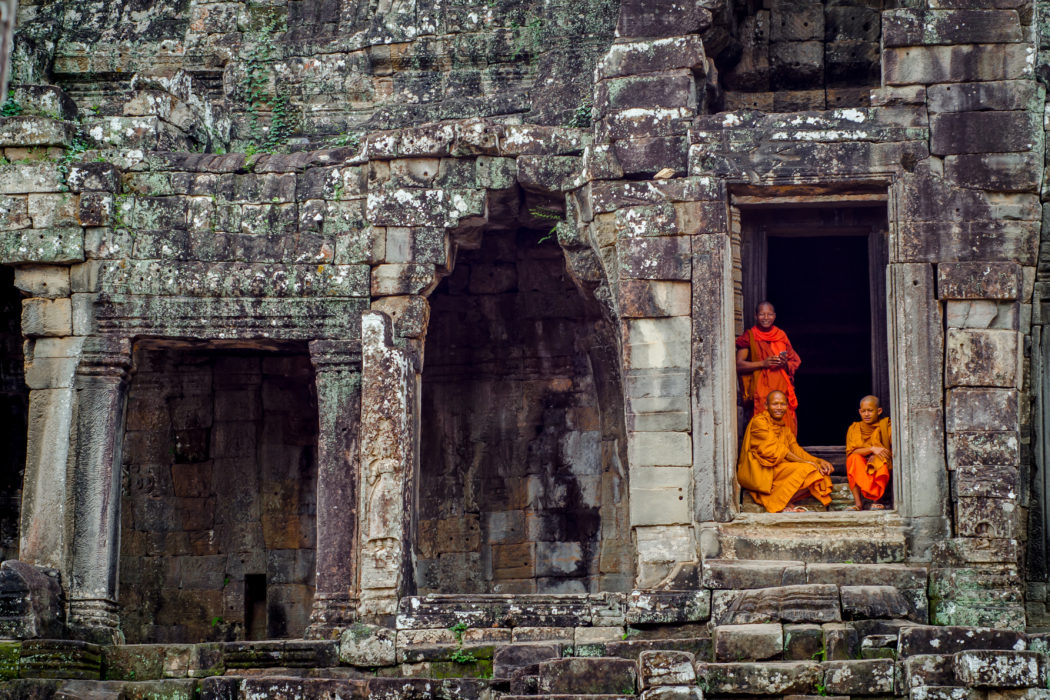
14, 412
522, 485
218, 515
797, 55
823, 265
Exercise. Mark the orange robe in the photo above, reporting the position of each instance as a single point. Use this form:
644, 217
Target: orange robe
869, 473
762, 469
757, 385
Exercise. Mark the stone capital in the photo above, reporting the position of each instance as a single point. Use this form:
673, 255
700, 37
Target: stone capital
335, 356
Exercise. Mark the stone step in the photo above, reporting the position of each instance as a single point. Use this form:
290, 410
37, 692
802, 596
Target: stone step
868, 537
741, 574
371, 688
841, 499
563, 696
930, 639
442, 611
286, 654
588, 676
631, 648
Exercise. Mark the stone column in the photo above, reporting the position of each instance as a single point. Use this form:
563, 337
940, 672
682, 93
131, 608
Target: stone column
99, 402
386, 468
337, 365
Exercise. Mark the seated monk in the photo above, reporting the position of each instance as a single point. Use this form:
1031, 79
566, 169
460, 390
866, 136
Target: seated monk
774, 468
869, 457
766, 362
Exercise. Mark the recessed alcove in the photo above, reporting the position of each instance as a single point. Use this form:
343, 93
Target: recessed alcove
218, 532
14, 411
521, 487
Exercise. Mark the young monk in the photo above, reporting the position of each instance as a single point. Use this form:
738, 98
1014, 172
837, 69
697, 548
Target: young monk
869, 456
766, 362
774, 468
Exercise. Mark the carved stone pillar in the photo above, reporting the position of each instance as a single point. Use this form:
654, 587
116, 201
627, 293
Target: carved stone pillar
100, 397
337, 367
386, 468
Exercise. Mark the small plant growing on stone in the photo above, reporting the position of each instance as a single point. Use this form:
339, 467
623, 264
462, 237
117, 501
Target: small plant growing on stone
581, 118
629, 632
820, 655
11, 108
461, 655
822, 689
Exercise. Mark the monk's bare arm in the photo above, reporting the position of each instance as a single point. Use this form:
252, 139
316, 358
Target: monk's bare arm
746, 366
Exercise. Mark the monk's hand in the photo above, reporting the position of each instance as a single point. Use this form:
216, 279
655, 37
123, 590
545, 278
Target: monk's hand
878, 451
825, 467
772, 361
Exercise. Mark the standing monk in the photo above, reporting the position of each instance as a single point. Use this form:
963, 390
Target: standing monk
774, 468
766, 362
869, 455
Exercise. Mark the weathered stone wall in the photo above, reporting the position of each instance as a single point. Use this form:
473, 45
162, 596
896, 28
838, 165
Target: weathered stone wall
315, 71
521, 485
791, 55
220, 456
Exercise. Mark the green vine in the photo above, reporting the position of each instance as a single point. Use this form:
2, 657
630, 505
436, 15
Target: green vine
527, 37
256, 86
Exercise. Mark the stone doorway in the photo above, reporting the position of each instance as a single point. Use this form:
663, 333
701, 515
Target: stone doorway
522, 487
824, 269
14, 411
218, 532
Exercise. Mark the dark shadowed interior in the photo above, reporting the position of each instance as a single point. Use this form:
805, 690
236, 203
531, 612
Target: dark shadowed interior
219, 499
521, 483
14, 410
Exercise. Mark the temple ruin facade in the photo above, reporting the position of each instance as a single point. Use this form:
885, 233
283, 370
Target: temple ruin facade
385, 349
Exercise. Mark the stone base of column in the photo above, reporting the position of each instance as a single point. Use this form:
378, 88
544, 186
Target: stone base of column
94, 620
331, 614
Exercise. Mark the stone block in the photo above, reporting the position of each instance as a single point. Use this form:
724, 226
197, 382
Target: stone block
986, 481
864, 677
982, 314
1004, 95
670, 692
660, 496
753, 642
977, 357
922, 670
548, 173
637, 57
587, 676
972, 409
954, 64
796, 21
60, 658
56, 246
870, 602
1000, 669
987, 517
796, 65
741, 574
1002, 172
979, 280
984, 448
511, 658
402, 279
45, 281
662, 668
983, 132
655, 258
639, 18
901, 576
47, 317
660, 450
802, 603
648, 156
943, 692
660, 549
668, 607
841, 642
761, 678
654, 298
668, 90
911, 27
658, 343
32, 601
803, 642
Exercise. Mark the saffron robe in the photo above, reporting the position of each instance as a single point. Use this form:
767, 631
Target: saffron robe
763, 470
869, 473
757, 385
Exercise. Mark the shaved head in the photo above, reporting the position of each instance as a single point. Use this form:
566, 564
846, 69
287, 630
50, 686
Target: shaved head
873, 399
759, 305
775, 394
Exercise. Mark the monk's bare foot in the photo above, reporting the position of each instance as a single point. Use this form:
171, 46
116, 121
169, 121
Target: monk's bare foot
852, 507
877, 506
796, 509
